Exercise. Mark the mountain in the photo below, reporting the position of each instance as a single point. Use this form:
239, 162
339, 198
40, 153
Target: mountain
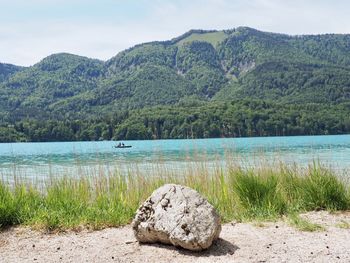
210, 67
207, 65
6, 70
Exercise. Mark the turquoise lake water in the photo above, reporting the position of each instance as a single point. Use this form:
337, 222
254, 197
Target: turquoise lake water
43, 159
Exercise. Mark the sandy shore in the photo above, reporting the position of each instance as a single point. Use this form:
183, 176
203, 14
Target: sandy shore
239, 242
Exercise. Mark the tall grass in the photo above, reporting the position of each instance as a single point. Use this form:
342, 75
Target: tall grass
111, 199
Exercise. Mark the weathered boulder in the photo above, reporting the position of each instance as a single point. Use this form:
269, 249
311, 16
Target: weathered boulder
178, 215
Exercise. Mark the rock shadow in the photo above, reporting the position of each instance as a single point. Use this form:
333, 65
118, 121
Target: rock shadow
220, 247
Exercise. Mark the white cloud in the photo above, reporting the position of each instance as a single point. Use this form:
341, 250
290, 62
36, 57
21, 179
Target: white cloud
26, 42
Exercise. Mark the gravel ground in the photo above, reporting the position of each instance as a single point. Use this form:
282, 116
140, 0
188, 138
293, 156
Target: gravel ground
239, 242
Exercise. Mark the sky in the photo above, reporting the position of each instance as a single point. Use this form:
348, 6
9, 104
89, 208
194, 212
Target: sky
33, 29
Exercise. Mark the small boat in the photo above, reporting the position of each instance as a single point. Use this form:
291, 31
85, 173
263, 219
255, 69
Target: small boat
122, 146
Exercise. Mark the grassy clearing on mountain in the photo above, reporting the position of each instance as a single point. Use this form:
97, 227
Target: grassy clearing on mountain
213, 38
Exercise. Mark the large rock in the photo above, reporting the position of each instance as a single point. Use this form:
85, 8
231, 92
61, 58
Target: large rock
177, 215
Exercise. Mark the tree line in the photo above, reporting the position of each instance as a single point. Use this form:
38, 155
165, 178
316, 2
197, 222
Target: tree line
245, 118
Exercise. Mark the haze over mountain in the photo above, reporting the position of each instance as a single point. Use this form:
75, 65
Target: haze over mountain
197, 67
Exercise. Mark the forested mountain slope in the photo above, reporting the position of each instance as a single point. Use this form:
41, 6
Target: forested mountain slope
198, 67
6, 70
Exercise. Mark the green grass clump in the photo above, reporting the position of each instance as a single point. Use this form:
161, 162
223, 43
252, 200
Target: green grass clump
322, 190
303, 224
96, 204
259, 196
18, 205
98, 201
344, 224
7, 207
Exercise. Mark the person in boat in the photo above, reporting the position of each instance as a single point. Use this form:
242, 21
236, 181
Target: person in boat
119, 144
123, 144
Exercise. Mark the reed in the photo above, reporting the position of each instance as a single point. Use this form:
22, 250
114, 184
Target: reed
103, 198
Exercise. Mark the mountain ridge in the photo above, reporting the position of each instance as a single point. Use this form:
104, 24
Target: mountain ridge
189, 32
